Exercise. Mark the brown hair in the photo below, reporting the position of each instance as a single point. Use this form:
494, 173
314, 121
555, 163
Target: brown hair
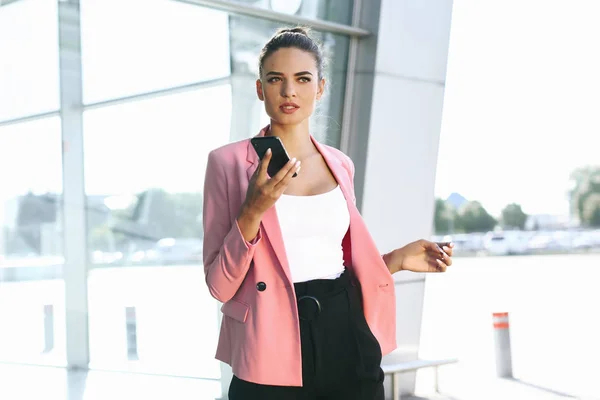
297, 37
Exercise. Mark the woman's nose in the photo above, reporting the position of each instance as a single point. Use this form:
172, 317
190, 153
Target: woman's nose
288, 89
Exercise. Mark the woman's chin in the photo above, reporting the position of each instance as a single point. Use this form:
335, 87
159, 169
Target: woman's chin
287, 119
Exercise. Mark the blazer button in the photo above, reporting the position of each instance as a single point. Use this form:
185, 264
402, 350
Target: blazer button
261, 286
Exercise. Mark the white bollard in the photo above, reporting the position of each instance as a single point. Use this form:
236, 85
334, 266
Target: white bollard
131, 332
502, 344
48, 328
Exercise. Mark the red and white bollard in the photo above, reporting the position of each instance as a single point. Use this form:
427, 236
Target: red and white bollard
502, 344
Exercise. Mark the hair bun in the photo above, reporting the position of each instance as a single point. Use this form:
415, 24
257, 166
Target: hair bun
299, 29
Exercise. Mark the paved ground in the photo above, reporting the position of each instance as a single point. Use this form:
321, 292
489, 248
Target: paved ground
553, 304
552, 301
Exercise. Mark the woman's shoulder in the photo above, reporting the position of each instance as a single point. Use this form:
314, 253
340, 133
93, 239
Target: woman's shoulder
340, 155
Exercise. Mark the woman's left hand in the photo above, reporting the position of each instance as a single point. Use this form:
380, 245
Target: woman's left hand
420, 256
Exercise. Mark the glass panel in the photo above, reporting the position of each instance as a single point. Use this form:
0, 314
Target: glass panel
145, 164
339, 11
31, 286
144, 171
29, 50
248, 36
136, 46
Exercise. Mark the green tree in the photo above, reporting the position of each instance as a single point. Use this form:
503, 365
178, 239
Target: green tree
591, 210
513, 217
583, 196
444, 217
472, 217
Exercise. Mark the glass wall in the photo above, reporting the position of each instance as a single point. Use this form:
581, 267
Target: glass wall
29, 53
144, 174
31, 256
136, 46
164, 83
144, 169
32, 311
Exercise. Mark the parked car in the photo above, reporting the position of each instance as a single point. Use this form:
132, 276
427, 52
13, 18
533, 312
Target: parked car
586, 240
506, 242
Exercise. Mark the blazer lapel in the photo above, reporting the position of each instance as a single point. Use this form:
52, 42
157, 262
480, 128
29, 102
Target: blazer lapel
339, 172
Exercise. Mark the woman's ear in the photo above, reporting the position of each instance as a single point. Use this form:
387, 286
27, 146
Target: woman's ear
259, 90
321, 89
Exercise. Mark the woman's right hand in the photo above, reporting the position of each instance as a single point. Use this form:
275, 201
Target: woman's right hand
262, 194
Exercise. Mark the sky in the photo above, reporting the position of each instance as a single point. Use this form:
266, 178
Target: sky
521, 107
522, 102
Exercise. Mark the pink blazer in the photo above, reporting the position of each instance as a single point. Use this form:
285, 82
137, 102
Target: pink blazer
260, 336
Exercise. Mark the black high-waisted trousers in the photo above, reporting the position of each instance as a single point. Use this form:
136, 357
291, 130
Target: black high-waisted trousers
340, 356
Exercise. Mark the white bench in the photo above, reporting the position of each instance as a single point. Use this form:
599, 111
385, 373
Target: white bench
394, 369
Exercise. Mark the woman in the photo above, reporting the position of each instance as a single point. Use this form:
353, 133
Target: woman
309, 303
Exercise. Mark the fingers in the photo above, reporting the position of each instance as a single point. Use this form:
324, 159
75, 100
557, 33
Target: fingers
441, 251
449, 249
444, 247
292, 167
283, 171
441, 266
432, 247
264, 164
436, 265
443, 255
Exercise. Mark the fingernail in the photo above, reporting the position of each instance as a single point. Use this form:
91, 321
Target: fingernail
446, 248
298, 163
293, 160
269, 150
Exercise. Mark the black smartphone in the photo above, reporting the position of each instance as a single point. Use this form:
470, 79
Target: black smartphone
279, 158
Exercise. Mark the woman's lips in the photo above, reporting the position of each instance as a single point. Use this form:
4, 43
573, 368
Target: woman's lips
289, 108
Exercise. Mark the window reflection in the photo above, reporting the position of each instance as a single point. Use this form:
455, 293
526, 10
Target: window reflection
31, 254
29, 53
31, 195
144, 175
137, 46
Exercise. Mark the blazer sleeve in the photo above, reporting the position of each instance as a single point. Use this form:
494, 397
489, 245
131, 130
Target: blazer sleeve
226, 254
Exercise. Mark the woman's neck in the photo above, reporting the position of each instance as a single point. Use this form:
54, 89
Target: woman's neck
295, 138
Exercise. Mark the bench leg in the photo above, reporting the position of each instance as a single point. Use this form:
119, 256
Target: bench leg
396, 387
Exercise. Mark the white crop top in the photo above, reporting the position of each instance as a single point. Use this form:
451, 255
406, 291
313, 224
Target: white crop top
313, 228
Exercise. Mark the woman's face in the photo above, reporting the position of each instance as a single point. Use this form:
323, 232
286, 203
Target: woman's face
289, 85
